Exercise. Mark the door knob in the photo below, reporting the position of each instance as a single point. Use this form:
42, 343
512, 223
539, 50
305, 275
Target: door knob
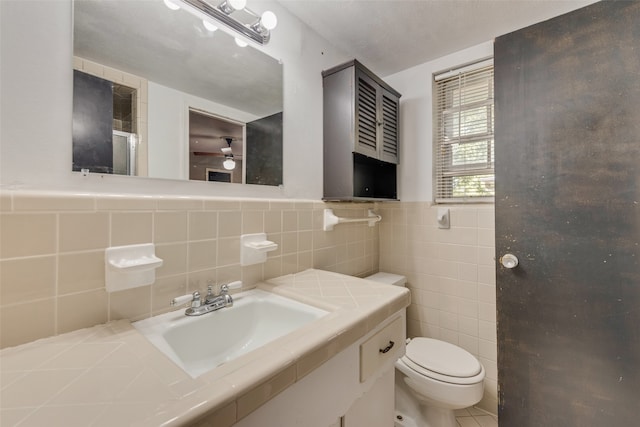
509, 261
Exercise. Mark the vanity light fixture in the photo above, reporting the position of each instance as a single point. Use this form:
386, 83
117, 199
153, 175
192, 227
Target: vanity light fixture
267, 22
209, 26
259, 31
171, 5
230, 6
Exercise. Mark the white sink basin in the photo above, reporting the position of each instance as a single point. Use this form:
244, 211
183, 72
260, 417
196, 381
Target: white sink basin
199, 344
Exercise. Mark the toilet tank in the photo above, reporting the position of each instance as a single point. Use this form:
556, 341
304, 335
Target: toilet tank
388, 278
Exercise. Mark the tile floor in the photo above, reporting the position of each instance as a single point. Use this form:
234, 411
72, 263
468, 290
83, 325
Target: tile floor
474, 417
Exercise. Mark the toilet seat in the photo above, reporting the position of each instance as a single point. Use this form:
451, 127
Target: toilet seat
442, 361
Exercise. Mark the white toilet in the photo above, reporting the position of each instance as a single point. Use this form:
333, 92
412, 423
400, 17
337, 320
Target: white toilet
433, 378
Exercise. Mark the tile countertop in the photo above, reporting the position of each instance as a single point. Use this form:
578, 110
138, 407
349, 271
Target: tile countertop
111, 375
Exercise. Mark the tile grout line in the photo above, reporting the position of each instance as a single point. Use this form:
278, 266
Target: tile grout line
69, 348
55, 279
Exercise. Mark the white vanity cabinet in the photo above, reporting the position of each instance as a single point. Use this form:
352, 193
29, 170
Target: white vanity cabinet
336, 394
376, 407
381, 348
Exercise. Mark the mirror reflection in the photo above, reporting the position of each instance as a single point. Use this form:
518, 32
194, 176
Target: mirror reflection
215, 157
158, 94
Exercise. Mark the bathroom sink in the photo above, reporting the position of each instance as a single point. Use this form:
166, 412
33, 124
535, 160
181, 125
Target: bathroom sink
199, 344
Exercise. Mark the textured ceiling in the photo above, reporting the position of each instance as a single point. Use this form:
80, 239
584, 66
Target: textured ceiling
392, 35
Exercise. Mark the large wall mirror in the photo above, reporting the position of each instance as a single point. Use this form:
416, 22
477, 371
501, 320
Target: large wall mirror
158, 94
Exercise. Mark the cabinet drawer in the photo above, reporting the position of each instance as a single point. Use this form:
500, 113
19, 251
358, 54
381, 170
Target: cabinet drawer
385, 345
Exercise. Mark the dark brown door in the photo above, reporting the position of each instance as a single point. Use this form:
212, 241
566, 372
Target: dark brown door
568, 206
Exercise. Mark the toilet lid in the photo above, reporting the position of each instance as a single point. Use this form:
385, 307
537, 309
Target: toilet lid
442, 358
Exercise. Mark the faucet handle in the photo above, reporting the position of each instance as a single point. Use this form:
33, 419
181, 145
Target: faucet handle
233, 285
183, 299
210, 289
196, 301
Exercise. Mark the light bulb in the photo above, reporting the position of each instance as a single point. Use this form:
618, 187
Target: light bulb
229, 164
209, 26
269, 20
171, 5
241, 43
237, 4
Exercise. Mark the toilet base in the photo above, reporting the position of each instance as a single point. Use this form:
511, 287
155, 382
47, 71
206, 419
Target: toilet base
419, 414
428, 417
434, 416
403, 420
406, 405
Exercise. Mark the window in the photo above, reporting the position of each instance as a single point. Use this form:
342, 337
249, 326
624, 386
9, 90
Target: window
464, 148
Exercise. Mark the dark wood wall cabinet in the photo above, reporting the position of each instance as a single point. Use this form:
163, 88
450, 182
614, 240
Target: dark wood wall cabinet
361, 134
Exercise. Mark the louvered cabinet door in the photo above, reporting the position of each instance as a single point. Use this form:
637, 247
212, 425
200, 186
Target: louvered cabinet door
390, 135
377, 112
368, 120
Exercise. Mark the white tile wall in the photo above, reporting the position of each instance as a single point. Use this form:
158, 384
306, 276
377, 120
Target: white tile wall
451, 274
52, 252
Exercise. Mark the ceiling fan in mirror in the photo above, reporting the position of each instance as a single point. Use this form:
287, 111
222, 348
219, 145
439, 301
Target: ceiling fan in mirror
226, 152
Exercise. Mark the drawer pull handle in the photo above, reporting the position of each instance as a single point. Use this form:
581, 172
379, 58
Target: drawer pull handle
387, 348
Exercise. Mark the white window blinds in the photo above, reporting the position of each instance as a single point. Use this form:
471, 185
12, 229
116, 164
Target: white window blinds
463, 140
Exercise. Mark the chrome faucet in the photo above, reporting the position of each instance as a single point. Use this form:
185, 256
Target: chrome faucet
211, 303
